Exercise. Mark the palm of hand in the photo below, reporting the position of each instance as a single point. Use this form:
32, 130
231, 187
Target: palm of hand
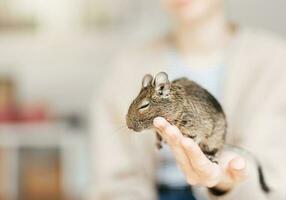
197, 168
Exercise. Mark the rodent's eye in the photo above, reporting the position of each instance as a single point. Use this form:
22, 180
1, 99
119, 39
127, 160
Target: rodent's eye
144, 105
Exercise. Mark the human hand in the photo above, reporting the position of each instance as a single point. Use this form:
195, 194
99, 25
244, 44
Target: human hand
197, 168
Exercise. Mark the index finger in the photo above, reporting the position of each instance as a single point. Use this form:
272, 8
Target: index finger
198, 159
167, 130
195, 155
173, 136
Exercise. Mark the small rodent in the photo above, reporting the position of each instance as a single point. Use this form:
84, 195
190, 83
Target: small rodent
187, 105
184, 104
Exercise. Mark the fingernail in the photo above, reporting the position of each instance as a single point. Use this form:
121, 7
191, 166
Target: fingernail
238, 164
158, 122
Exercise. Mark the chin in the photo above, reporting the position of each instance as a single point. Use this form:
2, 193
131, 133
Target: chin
195, 11
138, 130
183, 3
193, 14
148, 128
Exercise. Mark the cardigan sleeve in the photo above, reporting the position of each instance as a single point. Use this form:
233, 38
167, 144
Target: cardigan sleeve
263, 130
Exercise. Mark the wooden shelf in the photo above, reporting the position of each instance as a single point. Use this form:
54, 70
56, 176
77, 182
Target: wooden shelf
72, 145
38, 135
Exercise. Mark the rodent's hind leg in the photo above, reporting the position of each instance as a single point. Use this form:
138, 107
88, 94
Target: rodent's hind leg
193, 136
210, 153
187, 133
159, 141
212, 158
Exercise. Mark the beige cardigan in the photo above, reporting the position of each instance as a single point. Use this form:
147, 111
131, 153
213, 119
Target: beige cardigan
254, 99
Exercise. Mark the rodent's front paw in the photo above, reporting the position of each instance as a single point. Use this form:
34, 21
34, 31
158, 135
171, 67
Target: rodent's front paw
159, 145
212, 158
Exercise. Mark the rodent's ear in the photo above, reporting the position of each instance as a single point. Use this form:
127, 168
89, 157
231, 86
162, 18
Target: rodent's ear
162, 84
147, 80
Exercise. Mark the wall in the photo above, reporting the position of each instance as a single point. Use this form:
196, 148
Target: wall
65, 64
259, 13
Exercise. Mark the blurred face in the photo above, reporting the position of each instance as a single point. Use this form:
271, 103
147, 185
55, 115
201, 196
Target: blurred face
191, 10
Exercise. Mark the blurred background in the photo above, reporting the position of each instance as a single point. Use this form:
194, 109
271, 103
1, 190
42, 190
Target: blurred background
53, 57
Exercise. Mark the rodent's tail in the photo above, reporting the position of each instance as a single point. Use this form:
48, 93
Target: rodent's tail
264, 186
262, 181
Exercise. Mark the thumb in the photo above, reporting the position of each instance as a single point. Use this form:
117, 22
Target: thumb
237, 168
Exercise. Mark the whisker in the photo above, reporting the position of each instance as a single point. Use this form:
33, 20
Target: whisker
121, 127
124, 131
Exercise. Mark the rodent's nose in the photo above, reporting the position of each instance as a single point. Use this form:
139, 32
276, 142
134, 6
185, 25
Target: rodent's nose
130, 125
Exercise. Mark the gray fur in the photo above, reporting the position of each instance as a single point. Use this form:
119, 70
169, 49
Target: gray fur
184, 104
